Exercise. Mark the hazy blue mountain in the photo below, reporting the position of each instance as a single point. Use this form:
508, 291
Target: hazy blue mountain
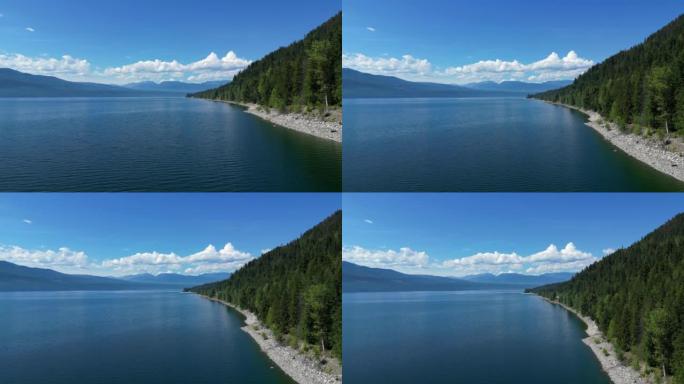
15, 277
518, 86
18, 84
526, 281
178, 87
177, 280
363, 85
357, 278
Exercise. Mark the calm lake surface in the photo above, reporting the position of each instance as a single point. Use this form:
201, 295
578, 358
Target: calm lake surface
483, 144
156, 144
463, 337
126, 337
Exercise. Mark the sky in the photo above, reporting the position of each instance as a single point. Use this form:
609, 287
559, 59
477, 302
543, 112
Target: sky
463, 234
459, 41
130, 40
122, 234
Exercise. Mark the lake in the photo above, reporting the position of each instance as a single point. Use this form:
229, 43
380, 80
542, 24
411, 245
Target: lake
483, 144
463, 337
156, 144
126, 337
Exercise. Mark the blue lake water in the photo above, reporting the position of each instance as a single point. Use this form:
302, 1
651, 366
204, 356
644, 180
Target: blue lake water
483, 144
156, 144
126, 337
463, 337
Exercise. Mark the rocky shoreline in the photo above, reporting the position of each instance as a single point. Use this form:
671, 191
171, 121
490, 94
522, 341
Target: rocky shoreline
618, 372
301, 368
649, 151
329, 129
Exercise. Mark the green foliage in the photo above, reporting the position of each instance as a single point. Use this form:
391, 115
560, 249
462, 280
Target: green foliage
643, 85
636, 297
295, 289
307, 73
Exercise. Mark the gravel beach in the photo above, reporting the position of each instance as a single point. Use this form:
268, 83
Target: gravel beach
649, 151
329, 129
618, 372
301, 368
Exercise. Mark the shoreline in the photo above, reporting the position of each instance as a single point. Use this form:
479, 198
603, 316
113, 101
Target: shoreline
328, 130
648, 151
617, 371
296, 365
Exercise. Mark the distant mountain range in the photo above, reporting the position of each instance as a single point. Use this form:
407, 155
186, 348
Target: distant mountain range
526, 281
176, 280
18, 84
15, 277
364, 85
519, 86
357, 278
178, 87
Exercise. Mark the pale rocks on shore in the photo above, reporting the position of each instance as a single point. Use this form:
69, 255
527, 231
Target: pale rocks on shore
618, 372
303, 369
324, 128
649, 151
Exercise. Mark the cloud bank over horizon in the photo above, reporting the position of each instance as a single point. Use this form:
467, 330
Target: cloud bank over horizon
407, 260
66, 260
408, 67
212, 67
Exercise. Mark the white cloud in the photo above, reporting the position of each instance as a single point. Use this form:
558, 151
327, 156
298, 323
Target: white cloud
266, 250
551, 259
608, 251
553, 67
211, 67
368, 221
209, 259
66, 65
407, 65
404, 257
27, 221
62, 257
30, 29
370, 29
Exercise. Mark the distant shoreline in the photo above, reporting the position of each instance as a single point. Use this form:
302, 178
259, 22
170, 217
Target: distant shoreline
604, 351
295, 364
648, 151
308, 124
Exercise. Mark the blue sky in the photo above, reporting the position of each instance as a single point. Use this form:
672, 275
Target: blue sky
461, 234
133, 233
432, 39
101, 35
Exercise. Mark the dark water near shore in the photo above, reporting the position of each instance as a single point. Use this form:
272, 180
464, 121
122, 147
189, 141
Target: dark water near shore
156, 144
126, 337
490, 144
463, 337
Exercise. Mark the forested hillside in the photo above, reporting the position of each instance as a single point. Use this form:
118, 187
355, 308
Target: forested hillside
640, 89
636, 296
295, 289
307, 73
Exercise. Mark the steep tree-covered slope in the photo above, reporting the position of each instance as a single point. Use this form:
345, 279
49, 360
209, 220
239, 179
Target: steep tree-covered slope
636, 296
294, 289
642, 87
307, 73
